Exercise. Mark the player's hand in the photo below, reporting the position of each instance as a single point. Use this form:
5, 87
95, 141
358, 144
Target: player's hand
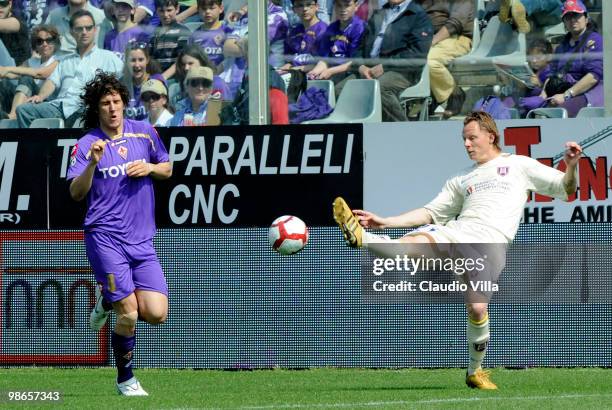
573, 151
96, 151
368, 219
139, 169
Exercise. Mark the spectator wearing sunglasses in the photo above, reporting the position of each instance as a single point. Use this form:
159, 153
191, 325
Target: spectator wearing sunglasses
191, 57
32, 73
138, 68
14, 36
60, 18
199, 86
154, 96
125, 31
70, 76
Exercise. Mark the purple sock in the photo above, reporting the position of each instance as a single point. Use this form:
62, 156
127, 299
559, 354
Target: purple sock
123, 347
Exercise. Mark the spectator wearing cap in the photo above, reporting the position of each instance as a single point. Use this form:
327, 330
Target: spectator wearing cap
125, 31
70, 76
33, 72
138, 68
577, 62
60, 18
199, 86
154, 96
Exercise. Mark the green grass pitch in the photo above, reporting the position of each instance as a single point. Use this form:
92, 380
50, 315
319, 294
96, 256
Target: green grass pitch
327, 388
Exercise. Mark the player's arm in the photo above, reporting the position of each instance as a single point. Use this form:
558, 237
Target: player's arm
416, 217
80, 186
571, 158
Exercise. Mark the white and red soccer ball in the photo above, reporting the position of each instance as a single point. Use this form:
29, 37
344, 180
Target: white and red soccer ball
288, 235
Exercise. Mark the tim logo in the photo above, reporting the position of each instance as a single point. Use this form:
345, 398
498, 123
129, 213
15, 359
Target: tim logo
8, 155
46, 293
503, 171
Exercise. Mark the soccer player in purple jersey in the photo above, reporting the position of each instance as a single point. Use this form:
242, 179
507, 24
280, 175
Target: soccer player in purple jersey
212, 33
301, 42
113, 166
340, 41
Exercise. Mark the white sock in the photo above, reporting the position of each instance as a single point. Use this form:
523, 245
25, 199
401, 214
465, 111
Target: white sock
478, 338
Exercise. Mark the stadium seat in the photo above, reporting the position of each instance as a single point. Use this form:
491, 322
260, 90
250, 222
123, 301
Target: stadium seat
514, 113
193, 25
326, 85
548, 112
6, 123
359, 102
174, 93
498, 41
591, 112
78, 123
47, 123
419, 91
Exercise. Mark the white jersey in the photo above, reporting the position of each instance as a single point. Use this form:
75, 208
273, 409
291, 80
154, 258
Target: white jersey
488, 200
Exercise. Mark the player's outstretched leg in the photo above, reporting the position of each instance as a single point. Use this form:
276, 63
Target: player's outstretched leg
349, 225
478, 339
100, 312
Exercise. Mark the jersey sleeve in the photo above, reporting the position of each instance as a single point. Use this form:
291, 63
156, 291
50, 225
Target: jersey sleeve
78, 159
447, 204
543, 179
158, 152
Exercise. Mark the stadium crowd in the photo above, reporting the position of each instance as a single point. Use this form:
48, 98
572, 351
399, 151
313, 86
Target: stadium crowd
177, 55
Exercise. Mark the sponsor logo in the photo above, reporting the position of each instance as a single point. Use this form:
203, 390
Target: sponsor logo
503, 171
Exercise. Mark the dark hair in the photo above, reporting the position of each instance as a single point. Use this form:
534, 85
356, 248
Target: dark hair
160, 4
195, 51
203, 3
102, 84
81, 13
486, 123
315, 1
541, 44
48, 28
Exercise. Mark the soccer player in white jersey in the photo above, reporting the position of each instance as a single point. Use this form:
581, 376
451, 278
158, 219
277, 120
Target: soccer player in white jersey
480, 204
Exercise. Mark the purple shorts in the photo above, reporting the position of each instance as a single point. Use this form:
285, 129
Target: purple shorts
122, 268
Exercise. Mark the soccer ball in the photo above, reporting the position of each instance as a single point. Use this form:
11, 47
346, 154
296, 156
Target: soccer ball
288, 235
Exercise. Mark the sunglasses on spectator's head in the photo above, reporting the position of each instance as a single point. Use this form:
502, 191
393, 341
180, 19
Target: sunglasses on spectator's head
82, 29
4, 3
138, 46
146, 97
40, 41
199, 82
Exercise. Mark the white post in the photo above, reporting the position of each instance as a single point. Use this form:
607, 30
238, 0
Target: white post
258, 62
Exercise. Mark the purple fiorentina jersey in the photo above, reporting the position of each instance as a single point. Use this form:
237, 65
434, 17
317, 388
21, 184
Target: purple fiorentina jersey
211, 41
117, 204
301, 41
117, 42
342, 43
135, 109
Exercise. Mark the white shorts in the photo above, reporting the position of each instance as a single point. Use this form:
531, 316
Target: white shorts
458, 232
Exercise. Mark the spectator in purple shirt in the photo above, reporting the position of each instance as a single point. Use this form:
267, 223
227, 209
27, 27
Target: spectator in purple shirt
301, 42
113, 166
125, 31
582, 78
212, 33
339, 42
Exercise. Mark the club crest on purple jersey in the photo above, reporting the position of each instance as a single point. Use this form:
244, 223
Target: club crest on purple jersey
122, 151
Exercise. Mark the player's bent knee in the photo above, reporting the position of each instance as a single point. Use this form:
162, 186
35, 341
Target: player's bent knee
155, 317
477, 311
127, 320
